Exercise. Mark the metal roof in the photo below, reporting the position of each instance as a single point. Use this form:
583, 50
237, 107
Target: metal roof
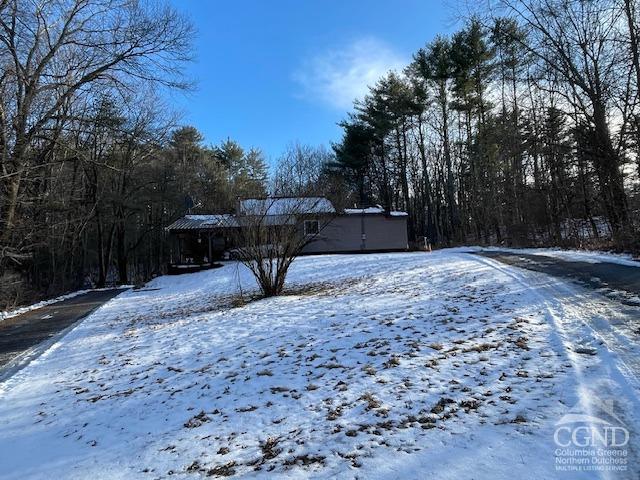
285, 206
275, 210
203, 222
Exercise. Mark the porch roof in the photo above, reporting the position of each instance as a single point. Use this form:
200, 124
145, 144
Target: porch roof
204, 222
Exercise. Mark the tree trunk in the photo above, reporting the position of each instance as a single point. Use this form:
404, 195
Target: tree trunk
610, 177
121, 252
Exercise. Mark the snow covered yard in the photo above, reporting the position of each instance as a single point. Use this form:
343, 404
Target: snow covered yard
442, 365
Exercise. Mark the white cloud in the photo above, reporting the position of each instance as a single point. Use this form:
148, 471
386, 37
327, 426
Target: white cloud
337, 77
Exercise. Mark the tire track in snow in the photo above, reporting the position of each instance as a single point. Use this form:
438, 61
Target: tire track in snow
613, 352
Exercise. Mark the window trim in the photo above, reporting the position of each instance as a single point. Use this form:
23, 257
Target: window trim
316, 229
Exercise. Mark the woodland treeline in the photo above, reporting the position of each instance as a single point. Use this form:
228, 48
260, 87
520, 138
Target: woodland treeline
523, 128
92, 165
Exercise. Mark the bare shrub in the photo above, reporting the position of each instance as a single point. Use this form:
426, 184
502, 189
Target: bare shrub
271, 232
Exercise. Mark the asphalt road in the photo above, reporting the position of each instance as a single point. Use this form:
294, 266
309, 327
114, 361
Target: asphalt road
21, 333
621, 281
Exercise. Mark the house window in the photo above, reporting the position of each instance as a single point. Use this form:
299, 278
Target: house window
311, 227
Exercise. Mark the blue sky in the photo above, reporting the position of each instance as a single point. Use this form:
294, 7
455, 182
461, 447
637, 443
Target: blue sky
273, 72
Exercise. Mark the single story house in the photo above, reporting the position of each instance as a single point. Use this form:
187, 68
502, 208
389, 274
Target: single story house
198, 240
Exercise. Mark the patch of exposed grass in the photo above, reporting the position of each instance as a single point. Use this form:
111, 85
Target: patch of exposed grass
393, 361
372, 402
269, 448
225, 470
197, 420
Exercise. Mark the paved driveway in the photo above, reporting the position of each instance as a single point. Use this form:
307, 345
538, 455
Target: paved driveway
21, 333
620, 281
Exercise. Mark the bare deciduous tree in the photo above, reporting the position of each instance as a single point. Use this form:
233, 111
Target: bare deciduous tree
583, 44
56, 51
272, 232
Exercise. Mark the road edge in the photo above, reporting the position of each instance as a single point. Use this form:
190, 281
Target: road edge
25, 358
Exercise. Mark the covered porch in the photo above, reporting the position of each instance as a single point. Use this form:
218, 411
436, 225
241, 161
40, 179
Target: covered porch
199, 241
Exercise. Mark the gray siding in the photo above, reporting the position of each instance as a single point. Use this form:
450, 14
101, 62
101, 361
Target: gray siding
344, 234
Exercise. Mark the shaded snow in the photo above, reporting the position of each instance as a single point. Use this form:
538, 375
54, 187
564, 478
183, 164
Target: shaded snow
414, 365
